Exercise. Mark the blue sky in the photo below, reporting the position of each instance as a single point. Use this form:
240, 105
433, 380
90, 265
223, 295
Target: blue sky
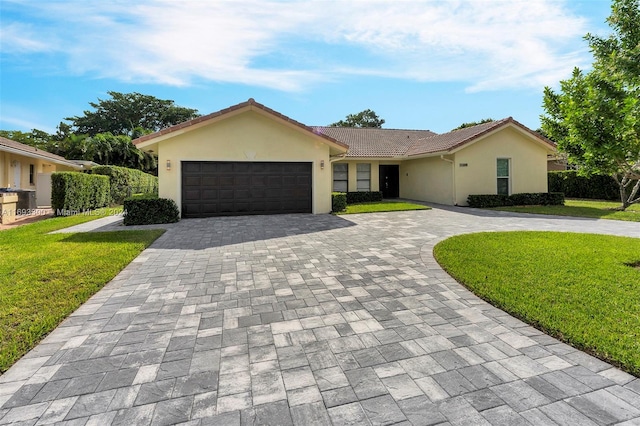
429, 64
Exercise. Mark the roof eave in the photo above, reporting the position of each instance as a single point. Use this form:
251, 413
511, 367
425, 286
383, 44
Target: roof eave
40, 157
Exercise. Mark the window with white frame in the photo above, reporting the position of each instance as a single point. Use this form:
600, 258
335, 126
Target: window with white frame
364, 176
503, 173
340, 177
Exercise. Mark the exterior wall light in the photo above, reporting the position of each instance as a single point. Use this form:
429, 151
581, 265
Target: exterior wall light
322, 164
168, 164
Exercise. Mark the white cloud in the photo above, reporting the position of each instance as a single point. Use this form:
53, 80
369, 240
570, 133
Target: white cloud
287, 45
20, 38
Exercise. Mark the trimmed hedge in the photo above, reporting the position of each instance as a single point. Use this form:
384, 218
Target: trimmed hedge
363, 197
147, 211
78, 192
484, 201
338, 201
597, 187
125, 181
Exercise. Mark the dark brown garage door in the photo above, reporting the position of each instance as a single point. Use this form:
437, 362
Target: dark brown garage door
220, 188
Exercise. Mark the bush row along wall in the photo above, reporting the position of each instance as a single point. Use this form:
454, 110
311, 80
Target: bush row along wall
125, 182
597, 187
525, 199
77, 192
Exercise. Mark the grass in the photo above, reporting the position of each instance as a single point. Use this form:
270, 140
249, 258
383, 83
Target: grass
583, 208
45, 277
382, 206
583, 289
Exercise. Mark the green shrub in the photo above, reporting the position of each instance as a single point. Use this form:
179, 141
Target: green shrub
147, 211
338, 201
77, 192
125, 182
596, 187
484, 201
363, 197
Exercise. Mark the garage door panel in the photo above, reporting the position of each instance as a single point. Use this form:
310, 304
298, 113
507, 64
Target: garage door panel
225, 181
258, 180
274, 181
209, 167
192, 181
209, 194
191, 167
191, 195
223, 168
232, 188
242, 181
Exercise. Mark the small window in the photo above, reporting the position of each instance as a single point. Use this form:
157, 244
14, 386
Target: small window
364, 177
32, 174
340, 177
503, 174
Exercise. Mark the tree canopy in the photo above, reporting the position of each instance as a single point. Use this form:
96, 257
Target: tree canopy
130, 114
474, 123
366, 118
104, 135
595, 117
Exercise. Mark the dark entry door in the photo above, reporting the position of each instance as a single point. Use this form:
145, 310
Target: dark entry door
219, 188
390, 180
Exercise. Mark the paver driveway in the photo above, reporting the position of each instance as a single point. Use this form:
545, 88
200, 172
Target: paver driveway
311, 320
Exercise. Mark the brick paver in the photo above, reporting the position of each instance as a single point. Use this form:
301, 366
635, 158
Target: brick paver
302, 319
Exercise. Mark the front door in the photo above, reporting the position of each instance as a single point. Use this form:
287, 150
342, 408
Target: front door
390, 180
17, 174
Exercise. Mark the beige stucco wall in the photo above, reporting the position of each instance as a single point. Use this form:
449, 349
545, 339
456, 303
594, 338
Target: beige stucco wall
7, 170
249, 136
528, 165
427, 179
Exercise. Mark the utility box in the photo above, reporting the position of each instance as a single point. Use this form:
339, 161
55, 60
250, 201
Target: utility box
8, 206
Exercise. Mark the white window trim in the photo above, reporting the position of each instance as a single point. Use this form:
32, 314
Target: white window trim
333, 177
508, 177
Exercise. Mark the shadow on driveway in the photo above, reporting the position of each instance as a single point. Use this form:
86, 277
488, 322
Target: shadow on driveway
200, 234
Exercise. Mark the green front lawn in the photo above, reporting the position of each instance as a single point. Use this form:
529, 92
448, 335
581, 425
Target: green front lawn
583, 289
582, 208
45, 277
382, 206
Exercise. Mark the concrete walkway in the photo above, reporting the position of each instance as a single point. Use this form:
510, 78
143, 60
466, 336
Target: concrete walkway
306, 320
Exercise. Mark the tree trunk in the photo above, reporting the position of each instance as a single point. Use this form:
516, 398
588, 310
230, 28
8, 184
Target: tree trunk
623, 193
632, 197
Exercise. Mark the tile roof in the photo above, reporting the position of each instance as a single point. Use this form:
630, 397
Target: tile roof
30, 151
454, 139
249, 103
368, 142
373, 142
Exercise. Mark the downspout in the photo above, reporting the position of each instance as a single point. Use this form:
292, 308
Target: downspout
337, 157
453, 178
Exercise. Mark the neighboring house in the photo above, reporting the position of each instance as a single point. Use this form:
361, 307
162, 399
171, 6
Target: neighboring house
28, 168
557, 162
250, 159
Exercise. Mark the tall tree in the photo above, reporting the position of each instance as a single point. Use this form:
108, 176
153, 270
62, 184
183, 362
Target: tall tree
124, 112
366, 118
35, 138
595, 118
474, 123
